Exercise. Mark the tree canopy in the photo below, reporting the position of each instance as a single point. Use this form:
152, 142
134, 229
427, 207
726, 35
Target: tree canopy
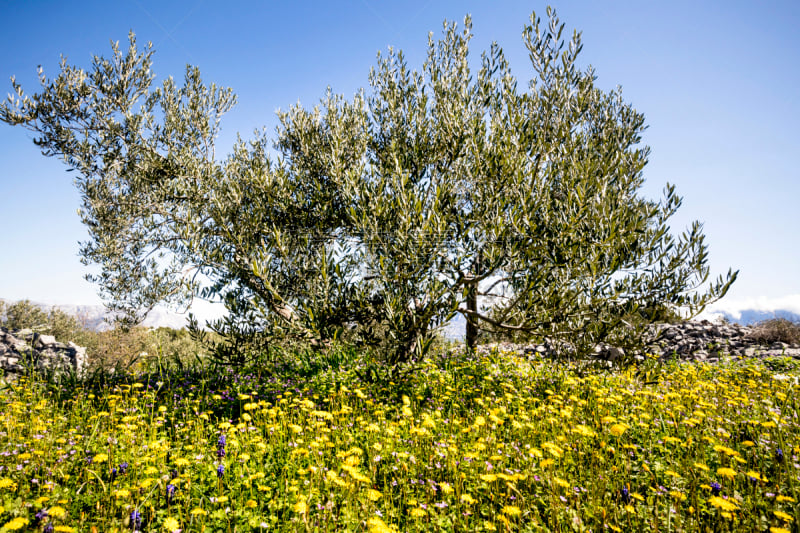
448, 189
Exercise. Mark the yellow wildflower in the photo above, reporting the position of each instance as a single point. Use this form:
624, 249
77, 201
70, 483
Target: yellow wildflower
16, 523
466, 498
376, 525
783, 516
618, 429
57, 512
300, 507
723, 504
727, 451
512, 510
198, 511
729, 473
561, 483
417, 513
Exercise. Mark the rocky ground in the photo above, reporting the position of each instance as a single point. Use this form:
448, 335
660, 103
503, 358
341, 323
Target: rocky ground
691, 341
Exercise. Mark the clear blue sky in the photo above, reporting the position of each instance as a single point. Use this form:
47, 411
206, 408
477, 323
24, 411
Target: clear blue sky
719, 83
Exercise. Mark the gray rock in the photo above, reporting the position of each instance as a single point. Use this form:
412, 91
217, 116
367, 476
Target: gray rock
25, 348
614, 353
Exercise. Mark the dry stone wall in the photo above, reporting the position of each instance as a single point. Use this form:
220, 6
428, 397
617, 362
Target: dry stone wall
26, 348
690, 340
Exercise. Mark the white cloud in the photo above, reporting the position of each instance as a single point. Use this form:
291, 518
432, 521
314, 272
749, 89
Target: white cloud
734, 308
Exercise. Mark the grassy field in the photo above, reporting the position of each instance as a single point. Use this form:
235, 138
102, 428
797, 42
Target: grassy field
464, 443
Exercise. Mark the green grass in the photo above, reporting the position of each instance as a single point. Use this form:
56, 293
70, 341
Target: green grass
462, 444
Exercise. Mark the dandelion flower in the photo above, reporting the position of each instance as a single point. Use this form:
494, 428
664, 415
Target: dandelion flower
723, 504
727, 451
466, 498
7, 483
57, 512
561, 483
300, 507
618, 429
16, 523
374, 495
418, 513
358, 476
512, 510
778, 530
729, 473
488, 477
198, 511
678, 495
376, 525
783, 516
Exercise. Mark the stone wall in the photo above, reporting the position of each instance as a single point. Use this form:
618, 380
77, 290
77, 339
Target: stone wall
690, 340
22, 348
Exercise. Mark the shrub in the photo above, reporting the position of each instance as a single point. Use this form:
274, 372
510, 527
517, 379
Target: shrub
776, 330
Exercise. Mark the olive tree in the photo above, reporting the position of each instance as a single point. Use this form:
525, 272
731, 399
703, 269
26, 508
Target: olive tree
447, 189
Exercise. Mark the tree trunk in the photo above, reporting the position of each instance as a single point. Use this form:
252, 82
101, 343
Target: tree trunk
472, 326
472, 305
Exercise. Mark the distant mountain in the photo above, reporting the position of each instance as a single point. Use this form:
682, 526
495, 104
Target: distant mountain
747, 317
456, 329
93, 317
745, 313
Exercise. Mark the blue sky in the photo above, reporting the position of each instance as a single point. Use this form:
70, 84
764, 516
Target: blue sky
717, 81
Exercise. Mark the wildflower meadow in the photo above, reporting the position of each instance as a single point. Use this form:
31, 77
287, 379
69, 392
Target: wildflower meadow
496, 442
